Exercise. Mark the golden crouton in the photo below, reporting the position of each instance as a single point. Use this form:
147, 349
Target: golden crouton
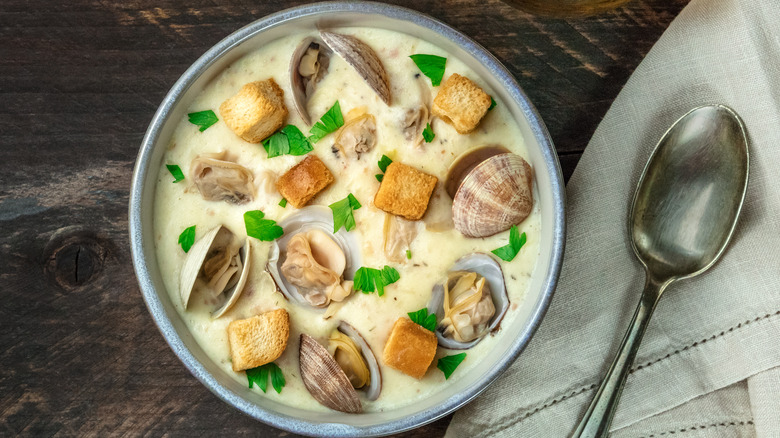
410, 348
461, 103
256, 111
258, 340
405, 191
304, 180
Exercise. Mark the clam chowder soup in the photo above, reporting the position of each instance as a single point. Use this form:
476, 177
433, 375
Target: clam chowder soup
346, 218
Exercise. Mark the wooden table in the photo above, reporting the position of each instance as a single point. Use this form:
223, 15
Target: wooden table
79, 82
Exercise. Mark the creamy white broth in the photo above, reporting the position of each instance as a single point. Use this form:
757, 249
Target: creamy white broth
178, 206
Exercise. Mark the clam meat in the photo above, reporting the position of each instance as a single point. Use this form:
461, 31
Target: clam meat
363, 59
308, 66
357, 136
470, 302
217, 264
310, 264
398, 236
333, 375
219, 179
417, 117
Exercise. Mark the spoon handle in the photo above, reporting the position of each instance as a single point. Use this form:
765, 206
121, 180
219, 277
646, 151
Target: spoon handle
598, 417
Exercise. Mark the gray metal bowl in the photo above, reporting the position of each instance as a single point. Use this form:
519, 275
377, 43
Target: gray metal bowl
549, 185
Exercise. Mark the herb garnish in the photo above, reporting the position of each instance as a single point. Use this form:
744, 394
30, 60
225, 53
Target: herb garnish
283, 203
408, 254
447, 364
204, 119
383, 163
260, 374
428, 134
342, 213
423, 318
259, 228
330, 121
492, 103
175, 170
431, 66
516, 241
370, 279
187, 238
289, 140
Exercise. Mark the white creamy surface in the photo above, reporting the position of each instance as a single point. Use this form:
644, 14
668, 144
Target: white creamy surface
178, 206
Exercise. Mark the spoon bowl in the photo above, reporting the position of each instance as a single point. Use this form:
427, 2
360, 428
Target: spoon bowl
682, 217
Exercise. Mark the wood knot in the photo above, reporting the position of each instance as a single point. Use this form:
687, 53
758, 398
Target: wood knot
74, 257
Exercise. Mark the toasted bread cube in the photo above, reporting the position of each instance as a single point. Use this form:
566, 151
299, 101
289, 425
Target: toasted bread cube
304, 180
410, 348
405, 191
256, 111
258, 340
461, 103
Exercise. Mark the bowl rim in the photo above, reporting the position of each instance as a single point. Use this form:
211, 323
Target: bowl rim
144, 163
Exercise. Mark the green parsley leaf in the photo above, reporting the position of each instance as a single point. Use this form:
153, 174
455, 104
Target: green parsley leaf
369, 279
283, 203
431, 66
383, 163
421, 317
342, 213
187, 238
379, 177
204, 119
428, 134
492, 103
259, 228
448, 364
175, 170
330, 121
408, 254
289, 140
516, 241
260, 374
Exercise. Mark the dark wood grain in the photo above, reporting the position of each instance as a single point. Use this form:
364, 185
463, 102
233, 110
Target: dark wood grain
79, 82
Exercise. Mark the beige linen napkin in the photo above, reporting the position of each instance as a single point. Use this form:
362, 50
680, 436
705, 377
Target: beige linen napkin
708, 365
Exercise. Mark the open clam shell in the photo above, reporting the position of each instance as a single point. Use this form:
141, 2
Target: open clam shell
492, 195
363, 59
303, 86
217, 239
374, 386
487, 267
324, 378
314, 217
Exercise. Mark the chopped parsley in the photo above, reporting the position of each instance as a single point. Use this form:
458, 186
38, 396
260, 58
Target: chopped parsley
448, 364
431, 66
492, 103
516, 241
330, 121
383, 163
283, 203
288, 141
175, 170
369, 279
408, 254
424, 319
204, 119
260, 374
428, 134
342, 213
187, 238
259, 228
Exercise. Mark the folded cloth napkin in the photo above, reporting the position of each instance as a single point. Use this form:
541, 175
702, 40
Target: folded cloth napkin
709, 364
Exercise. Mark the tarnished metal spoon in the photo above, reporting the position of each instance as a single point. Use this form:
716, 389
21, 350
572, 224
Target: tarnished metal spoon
684, 212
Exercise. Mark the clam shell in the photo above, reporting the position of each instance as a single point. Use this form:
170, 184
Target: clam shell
375, 385
363, 59
493, 196
232, 295
487, 267
300, 99
307, 218
324, 379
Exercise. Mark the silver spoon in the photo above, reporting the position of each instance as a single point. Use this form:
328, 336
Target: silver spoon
684, 212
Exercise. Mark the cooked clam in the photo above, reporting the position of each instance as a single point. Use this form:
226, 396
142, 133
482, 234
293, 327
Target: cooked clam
491, 190
356, 359
417, 118
357, 136
218, 263
470, 302
398, 236
324, 378
363, 59
308, 65
219, 179
310, 264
